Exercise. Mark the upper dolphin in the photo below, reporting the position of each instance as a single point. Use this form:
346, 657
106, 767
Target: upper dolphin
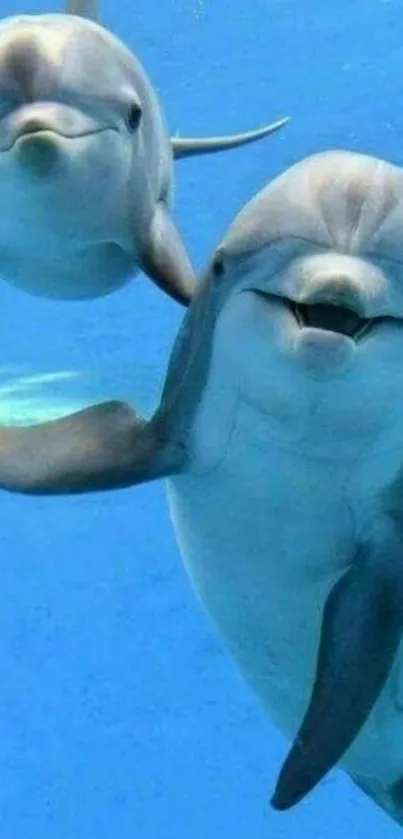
86, 162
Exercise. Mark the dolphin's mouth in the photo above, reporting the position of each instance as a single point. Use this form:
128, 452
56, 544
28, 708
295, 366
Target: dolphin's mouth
328, 316
41, 128
331, 317
36, 129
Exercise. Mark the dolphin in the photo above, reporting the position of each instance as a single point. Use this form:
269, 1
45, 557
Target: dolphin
86, 162
280, 438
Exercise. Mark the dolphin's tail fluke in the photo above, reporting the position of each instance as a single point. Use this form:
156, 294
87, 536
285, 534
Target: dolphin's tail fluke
185, 147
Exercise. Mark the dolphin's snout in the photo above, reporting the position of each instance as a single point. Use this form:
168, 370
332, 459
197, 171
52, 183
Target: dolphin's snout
33, 125
335, 291
333, 302
54, 118
343, 280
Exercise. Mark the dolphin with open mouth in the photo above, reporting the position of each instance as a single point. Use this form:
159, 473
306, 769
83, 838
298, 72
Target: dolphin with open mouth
280, 438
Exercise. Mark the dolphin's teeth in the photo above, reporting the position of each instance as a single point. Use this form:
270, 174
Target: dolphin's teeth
297, 313
365, 327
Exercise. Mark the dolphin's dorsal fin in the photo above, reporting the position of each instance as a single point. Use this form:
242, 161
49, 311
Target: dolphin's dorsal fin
185, 147
83, 8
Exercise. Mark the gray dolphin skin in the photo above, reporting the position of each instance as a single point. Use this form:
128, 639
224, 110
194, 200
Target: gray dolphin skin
86, 162
280, 437
83, 8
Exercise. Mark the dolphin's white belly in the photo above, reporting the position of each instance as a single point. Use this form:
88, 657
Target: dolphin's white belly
264, 535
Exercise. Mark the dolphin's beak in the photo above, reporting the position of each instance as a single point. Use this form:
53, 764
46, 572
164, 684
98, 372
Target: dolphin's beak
54, 118
326, 314
33, 126
336, 306
332, 317
31, 130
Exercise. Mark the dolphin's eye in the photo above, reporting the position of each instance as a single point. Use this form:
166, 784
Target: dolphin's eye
134, 117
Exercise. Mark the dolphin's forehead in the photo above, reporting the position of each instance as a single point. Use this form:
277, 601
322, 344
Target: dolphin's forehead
71, 52
347, 202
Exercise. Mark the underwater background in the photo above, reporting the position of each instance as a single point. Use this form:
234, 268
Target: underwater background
120, 714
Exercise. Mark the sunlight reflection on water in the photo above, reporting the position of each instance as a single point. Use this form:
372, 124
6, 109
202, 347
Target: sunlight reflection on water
28, 397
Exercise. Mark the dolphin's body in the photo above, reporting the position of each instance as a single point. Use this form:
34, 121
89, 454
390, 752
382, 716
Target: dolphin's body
280, 436
86, 162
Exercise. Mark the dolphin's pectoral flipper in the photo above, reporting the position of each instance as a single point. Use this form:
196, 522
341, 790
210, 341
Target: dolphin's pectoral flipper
83, 8
361, 629
103, 447
185, 147
164, 258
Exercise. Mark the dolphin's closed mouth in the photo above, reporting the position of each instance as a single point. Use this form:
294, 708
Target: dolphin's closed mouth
331, 317
31, 130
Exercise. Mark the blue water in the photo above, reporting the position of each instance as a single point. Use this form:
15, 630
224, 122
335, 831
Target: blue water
120, 716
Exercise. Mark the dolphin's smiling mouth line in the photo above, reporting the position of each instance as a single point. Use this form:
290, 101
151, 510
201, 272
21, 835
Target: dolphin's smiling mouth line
44, 129
330, 317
